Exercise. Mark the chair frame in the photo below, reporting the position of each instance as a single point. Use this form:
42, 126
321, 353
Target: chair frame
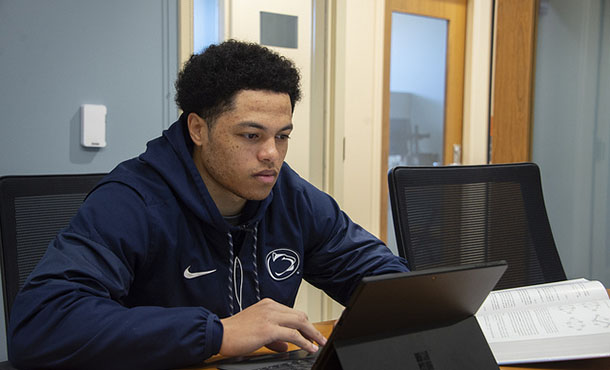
13, 187
456, 175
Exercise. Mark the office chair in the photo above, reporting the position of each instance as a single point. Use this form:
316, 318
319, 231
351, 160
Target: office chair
454, 215
33, 209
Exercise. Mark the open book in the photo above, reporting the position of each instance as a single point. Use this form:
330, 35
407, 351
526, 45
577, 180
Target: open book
548, 322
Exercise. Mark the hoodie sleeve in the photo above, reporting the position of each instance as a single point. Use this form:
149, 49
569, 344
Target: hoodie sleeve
70, 314
340, 252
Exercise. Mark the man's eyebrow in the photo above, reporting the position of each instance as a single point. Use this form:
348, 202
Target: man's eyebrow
289, 126
258, 126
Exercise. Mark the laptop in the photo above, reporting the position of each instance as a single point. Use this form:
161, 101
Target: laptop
420, 320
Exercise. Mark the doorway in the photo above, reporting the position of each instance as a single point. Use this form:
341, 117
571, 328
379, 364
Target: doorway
424, 51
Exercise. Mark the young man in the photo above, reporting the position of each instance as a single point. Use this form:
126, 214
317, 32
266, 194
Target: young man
198, 246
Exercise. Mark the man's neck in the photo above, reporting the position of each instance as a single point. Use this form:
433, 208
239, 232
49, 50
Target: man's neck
227, 203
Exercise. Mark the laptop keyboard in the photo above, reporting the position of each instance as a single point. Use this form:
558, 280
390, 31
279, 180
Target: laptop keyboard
292, 360
302, 364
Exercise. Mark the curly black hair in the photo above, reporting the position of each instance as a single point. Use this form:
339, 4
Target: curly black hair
209, 81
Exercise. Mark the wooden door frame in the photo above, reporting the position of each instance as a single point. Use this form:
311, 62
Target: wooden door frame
513, 80
454, 91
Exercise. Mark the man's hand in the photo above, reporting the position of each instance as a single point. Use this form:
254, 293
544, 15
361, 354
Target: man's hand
268, 323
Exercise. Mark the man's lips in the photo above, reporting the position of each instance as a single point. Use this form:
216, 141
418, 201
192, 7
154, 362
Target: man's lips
267, 176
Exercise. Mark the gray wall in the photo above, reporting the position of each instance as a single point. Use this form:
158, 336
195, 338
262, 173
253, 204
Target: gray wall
57, 55
571, 132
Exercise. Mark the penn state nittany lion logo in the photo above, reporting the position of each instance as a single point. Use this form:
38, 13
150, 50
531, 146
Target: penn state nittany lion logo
282, 263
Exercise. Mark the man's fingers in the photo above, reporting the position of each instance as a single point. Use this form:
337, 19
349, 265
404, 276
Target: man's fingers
298, 320
312, 334
294, 336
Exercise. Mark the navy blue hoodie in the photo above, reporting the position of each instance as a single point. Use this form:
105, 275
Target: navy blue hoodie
144, 271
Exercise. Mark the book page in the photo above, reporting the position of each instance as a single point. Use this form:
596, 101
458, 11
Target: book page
556, 321
572, 291
564, 319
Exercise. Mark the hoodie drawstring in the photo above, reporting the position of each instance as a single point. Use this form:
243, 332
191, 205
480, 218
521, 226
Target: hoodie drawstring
231, 267
254, 259
236, 274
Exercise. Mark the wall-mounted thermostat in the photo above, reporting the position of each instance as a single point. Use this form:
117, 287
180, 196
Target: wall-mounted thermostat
93, 125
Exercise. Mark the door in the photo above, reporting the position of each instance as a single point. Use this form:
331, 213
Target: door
423, 89
286, 27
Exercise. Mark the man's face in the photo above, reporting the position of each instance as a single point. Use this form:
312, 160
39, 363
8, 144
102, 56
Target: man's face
241, 155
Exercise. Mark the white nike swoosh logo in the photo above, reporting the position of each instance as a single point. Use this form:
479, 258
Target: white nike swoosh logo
191, 275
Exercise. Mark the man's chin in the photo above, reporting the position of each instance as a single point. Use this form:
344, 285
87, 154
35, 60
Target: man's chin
256, 195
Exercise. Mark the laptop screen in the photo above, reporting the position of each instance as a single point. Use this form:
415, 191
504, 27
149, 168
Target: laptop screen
416, 299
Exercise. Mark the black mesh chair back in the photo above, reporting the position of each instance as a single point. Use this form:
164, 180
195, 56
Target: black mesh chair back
454, 215
33, 209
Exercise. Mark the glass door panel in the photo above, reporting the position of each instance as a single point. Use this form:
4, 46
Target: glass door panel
417, 89
417, 94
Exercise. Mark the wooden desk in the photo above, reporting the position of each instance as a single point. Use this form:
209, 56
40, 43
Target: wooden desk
598, 364
326, 328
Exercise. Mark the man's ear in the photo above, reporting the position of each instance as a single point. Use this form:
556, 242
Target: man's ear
198, 128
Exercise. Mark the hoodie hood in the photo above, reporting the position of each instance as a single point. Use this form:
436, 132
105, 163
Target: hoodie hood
171, 156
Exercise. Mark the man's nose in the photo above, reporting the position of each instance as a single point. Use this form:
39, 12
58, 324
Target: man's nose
268, 151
